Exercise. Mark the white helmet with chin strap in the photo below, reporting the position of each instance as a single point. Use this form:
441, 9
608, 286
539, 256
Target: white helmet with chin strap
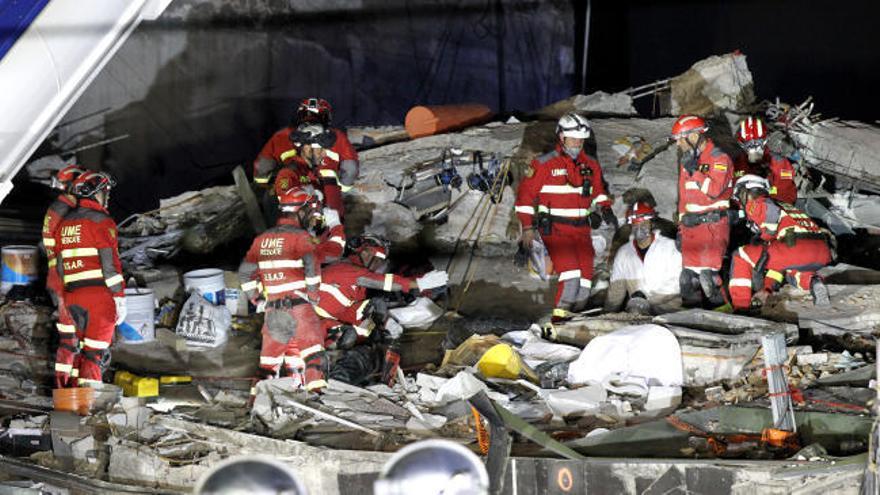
433, 467
572, 125
750, 181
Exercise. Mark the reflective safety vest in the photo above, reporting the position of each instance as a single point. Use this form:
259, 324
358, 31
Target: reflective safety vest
776, 220
56, 212
282, 263
709, 187
87, 251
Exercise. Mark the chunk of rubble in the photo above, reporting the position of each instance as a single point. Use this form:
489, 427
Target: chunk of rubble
844, 149
713, 85
598, 103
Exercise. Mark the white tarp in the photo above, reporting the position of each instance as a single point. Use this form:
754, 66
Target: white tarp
645, 351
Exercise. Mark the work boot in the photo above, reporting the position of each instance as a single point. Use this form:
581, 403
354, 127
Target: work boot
820, 293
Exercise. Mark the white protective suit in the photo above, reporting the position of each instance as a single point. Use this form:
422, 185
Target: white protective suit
657, 276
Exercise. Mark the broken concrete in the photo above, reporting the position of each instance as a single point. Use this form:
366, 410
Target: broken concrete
844, 149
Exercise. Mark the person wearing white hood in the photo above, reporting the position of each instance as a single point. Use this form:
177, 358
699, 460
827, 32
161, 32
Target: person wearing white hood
647, 268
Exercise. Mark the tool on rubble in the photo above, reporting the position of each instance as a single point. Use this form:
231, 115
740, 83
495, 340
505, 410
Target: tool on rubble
483, 177
657, 149
426, 188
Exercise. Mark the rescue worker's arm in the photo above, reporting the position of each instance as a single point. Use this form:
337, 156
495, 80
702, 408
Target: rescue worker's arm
388, 282
248, 276
349, 166
312, 268
526, 196
108, 252
333, 241
720, 176
600, 193
265, 163
617, 285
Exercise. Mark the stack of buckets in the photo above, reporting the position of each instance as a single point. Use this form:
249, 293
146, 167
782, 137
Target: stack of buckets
21, 266
209, 283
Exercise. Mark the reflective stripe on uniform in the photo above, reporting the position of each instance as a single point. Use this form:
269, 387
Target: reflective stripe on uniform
53, 263
290, 286
95, 344
563, 189
63, 368
287, 154
777, 276
114, 280
75, 372
261, 180
48, 242
337, 294
275, 264
79, 252
326, 172
88, 381
86, 275
345, 188
252, 285
570, 274
745, 256
63, 328
740, 282
294, 361
561, 313
308, 351
706, 183
313, 280
528, 210
692, 185
360, 311
270, 360
338, 240
600, 198
695, 208
322, 312
363, 332
586, 283
389, 282
570, 212
332, 155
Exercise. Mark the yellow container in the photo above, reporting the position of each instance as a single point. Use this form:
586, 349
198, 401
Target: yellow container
175, 379
136, 386
500, 361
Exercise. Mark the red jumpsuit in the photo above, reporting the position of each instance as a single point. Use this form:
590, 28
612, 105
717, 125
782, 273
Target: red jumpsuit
296, 172
279, 151
68, 345
795, 249
704, 190
283, 265
564, 191
91, 273
778, 170
344, 295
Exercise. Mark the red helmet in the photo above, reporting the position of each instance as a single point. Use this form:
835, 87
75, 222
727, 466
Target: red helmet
751, 129
294, 199
639, 212
65, 177
314, 110
688, 124
89, 184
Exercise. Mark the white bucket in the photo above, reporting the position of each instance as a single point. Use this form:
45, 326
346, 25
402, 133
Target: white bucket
21, 266
207, 282
139, 324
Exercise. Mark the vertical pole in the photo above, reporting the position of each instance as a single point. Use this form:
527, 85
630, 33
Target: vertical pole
499, 56
586, 44
780, 396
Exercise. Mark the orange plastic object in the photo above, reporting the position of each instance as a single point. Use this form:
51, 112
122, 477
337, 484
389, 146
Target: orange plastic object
78, 400
780, 438
424, 121
482, 433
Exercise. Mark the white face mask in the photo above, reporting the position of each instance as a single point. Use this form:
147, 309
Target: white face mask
755, 155
573, 151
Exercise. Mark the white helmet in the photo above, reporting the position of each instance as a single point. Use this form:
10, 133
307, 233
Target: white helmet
573, 125
250, 475
750, 181
433, 467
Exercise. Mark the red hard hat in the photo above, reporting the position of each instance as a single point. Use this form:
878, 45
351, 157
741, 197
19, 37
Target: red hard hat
293, 199
639, 212
314, 110
88, 184
65, 177
688, 124
751, 129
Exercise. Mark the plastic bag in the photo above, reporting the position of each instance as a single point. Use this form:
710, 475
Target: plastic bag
202, 324
419, 314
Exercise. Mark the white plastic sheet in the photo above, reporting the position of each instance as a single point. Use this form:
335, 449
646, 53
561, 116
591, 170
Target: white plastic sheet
646, 351
419, 314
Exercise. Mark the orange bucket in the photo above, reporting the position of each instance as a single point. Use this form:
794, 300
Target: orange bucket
428, 120
78, 400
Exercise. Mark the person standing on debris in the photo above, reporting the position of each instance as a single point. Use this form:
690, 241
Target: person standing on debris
313, 165
282, 268
91, 273
560, 198
704, 188
349, 314
68, 345
280, 149
789, 246
647, 268
759, 160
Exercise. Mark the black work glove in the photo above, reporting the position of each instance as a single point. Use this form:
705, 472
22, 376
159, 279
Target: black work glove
595, 220
347, 339
609, 218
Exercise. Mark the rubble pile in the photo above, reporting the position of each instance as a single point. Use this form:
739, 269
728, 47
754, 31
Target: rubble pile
689, 384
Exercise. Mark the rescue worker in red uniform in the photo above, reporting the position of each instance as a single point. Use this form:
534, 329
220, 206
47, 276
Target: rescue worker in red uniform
280, 149
282, 268
560, 197
68, 345
759, 160
91, 273
790, 248
347, 311
313, 165
705, 185
324, 224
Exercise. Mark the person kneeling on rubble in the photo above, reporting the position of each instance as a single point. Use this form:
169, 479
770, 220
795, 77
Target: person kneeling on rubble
647, 268
91, 274
354, 322
788, 246
283, 275
561, 197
